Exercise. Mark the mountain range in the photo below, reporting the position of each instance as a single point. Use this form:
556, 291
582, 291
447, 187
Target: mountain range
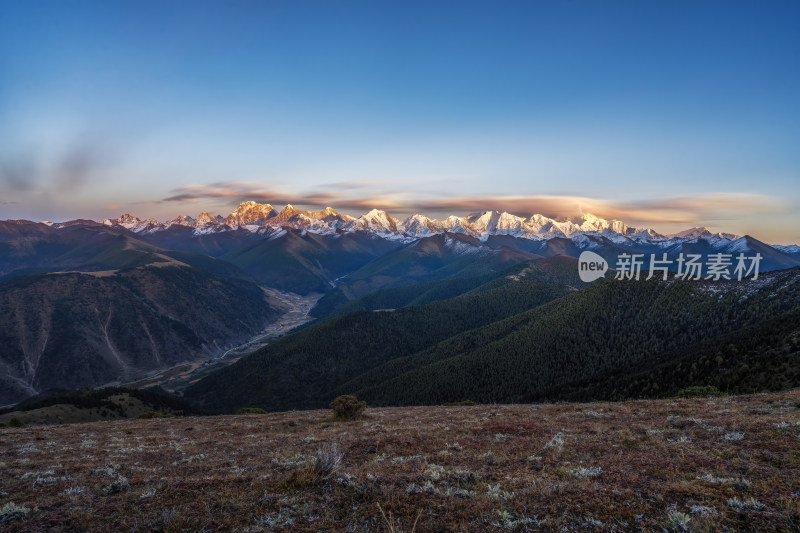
85, 303
260, 217
584, 232
257, 236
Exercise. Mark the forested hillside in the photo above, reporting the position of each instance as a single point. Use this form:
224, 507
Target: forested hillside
302, 369
531, 340
611, 340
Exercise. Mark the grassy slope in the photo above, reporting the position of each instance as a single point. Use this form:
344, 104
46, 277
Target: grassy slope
726, 464
93, 405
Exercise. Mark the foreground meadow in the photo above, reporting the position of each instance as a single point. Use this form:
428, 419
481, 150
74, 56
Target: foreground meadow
712, 464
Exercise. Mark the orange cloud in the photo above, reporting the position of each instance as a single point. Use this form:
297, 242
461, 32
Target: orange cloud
666, 212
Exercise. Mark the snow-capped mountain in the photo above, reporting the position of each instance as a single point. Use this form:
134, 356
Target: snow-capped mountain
694, 233
376, 221
249, 213
546, 235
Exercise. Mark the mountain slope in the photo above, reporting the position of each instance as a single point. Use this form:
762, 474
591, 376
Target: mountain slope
442, 256
560, 269
29, 247
606, 333
507, 345
86, 329
304, 262
300, 370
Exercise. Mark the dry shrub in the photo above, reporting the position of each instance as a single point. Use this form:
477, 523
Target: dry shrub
327, 462
347, 407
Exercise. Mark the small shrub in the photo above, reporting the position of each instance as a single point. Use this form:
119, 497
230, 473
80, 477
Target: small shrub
698, 391
251, 411
328, 461
152, 414
556, 442
16, 423
678, 522
120, 484
325, 464
750, 503
347, 407
496, 493
11, 510
468, 403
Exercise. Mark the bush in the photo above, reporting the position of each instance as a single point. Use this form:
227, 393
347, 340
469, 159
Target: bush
327, 462
347, 407
251, 411
699, 391
16, 423
463, 402
152, 414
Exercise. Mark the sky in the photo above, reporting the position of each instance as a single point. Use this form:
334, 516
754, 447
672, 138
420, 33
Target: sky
665, 115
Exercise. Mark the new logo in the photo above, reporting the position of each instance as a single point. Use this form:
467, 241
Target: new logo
591, 266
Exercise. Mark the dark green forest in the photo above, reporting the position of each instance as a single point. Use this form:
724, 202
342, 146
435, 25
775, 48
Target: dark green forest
516, 339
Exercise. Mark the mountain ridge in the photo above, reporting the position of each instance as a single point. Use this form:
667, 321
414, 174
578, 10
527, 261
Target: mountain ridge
254, 216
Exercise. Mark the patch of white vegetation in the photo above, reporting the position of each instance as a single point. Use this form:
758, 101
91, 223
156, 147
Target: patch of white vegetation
191, 459
405, 459
506, 520
678, 521
708, 478
583, 472
733, 436
73, 491
11, 510
683, 439
749, 503
702, 510
434, 471
496, 493
556, 442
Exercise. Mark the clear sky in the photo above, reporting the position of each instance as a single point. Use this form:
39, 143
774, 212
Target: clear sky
663, 114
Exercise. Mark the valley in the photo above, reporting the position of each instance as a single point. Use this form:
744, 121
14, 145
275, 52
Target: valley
296, 313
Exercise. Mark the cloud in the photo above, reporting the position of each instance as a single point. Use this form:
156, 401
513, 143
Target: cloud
77, 165
683, 209
244, 191
18, 171
702, 208
238, 192
70, 170
678, 210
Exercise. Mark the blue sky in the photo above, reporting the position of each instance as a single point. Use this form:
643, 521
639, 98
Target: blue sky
664, 114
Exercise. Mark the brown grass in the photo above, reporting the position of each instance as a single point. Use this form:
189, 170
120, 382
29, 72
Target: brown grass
635, 466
